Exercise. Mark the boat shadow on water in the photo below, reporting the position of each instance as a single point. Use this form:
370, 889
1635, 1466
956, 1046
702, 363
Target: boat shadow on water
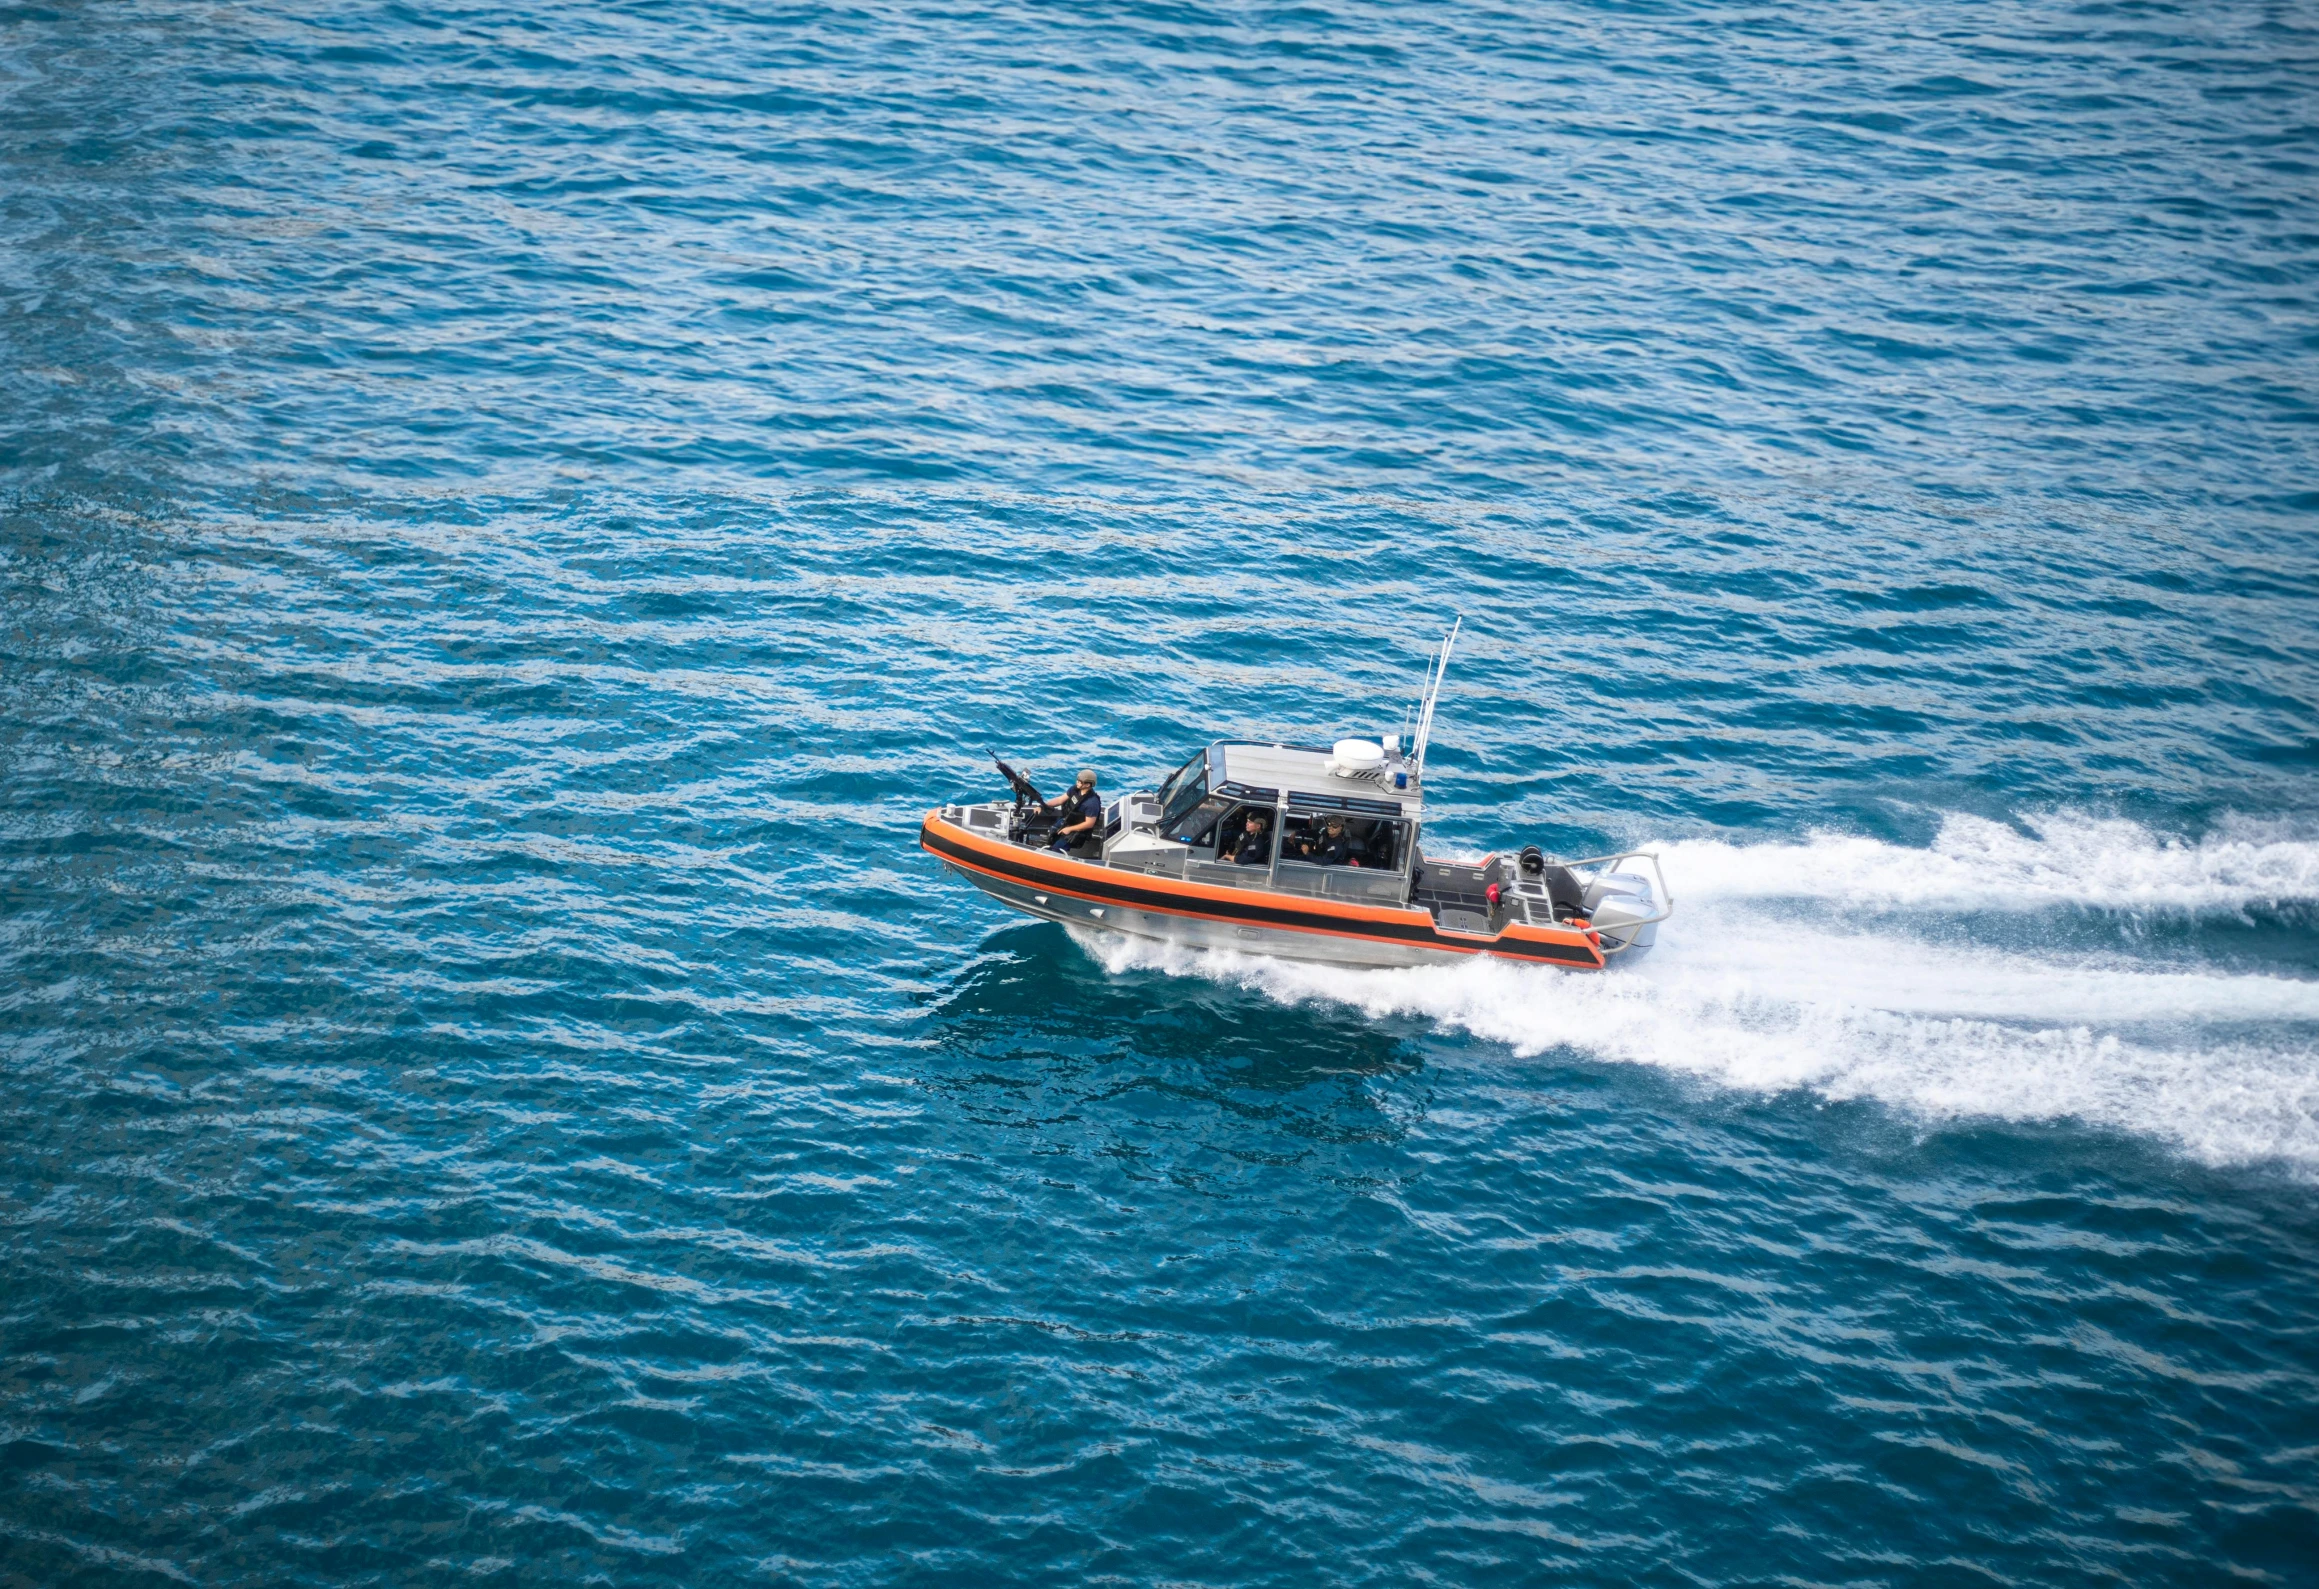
1035, 1034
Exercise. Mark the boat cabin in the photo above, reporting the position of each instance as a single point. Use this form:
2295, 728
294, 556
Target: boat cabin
1339, 822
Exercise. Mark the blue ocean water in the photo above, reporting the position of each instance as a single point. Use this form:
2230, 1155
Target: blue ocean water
510, 516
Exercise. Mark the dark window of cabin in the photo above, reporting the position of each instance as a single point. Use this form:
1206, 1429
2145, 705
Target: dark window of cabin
1383, 845
1234, 828
1372, 843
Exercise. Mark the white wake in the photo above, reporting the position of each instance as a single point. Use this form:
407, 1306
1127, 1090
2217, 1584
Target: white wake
1838, 965
1973, 864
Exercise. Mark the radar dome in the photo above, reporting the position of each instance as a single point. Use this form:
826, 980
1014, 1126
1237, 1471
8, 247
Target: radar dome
1353, 757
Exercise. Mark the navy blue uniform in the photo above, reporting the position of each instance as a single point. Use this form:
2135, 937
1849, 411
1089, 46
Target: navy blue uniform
1078, 808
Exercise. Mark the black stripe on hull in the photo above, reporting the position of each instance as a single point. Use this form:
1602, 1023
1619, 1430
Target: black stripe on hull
1105, 888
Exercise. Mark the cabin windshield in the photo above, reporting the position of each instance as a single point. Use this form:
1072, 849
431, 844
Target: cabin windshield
1186, 789
1198, 825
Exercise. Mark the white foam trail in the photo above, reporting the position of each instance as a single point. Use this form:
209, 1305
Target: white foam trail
2224, 1065
2065, 859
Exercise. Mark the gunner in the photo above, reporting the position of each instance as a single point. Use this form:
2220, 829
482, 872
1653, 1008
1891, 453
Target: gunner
1082, 811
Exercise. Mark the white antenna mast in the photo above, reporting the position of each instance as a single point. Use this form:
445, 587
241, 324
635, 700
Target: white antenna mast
1434, 676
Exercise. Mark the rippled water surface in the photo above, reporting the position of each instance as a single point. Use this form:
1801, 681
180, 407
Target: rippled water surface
510, 516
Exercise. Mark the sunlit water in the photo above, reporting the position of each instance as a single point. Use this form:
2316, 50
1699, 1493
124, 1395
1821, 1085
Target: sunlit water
510, 518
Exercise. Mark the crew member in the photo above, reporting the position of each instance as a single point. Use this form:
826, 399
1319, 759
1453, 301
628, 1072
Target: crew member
1330, 847
1255, 844
1082, 811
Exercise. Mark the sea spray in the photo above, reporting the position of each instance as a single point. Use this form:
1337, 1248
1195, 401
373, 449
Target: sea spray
2049, 859
2216, 1061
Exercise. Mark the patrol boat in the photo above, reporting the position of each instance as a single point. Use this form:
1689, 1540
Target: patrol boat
1305, 852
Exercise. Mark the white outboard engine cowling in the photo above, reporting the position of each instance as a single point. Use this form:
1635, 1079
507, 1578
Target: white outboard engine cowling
1616, 902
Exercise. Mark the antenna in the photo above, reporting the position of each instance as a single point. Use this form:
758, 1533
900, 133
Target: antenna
1433, 678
